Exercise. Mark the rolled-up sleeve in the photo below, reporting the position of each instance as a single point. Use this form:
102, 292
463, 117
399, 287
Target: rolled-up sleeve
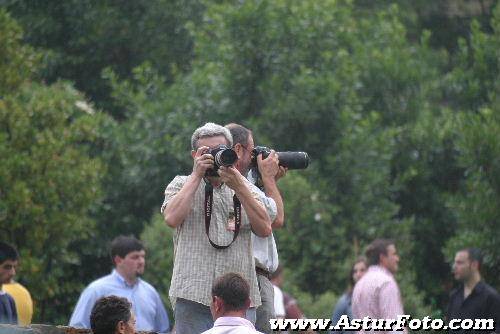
172, 189
268, 202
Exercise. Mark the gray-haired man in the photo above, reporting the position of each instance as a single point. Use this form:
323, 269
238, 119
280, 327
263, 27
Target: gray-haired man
208, 240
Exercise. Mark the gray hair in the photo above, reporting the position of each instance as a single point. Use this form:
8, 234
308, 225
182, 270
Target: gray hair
210, 130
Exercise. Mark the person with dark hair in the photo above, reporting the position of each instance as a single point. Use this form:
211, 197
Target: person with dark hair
214, 211
473, 298
21, 295
264, 248
230, 302
112, 315
129, 258
8, 264
344, 304
376, 294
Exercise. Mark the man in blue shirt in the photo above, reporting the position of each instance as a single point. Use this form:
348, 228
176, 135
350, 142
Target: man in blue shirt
128, 256
8, 264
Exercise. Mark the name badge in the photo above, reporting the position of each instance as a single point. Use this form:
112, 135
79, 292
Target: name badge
231, 221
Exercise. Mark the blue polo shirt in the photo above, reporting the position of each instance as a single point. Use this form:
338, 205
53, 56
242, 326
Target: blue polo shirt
147, 306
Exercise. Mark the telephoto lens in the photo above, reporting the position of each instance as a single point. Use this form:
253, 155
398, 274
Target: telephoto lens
290, 160
293, 160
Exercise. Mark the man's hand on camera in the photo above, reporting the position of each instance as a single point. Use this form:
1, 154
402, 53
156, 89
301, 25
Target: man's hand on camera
231, 177
268, 167
281, 173
202, 161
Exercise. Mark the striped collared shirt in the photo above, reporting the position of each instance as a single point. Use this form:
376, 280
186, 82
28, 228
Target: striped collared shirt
377, 296
196, 263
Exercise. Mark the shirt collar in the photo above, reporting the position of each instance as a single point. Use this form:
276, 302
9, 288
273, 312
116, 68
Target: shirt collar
122, 280
478, 288
381, 268
233, 321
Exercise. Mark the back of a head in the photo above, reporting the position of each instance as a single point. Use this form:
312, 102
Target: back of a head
107, 312
123, 245
7, 252
239, 133
375, 249
210, 130
234, 290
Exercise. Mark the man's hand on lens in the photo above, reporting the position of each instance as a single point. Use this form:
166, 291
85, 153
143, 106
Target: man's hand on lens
231, 177
202, 161
281, 173
268, 167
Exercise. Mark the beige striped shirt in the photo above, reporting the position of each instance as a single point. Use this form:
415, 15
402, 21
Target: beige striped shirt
196, 263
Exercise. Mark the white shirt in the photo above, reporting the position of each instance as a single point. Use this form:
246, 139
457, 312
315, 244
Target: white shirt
265, 251
232, 325
279, 303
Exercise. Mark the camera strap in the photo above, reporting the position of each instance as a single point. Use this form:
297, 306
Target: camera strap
209, 198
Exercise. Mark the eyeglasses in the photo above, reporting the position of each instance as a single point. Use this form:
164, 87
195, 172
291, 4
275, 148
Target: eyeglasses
246, 148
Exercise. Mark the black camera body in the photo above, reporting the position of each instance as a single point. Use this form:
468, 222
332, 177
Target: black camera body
223, 156
290, 160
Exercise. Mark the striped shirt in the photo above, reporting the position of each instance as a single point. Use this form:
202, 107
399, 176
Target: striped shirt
377, 296
196, 263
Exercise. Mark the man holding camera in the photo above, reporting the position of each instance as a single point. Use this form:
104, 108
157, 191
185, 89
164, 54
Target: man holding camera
214, 211
264, 248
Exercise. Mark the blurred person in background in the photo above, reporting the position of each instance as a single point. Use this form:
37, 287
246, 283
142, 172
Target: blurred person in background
8, 264
129, 259
473, 299
343, 306
285, 300
376, 294
21, 296
24, 303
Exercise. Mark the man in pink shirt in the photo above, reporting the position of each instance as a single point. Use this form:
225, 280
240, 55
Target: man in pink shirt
376, 295
230, 302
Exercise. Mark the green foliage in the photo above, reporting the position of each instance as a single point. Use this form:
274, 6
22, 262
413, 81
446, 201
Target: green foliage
49, 181
159, 243
476, 204
18, 61
83, 38
49, 178
474, 77
425, 166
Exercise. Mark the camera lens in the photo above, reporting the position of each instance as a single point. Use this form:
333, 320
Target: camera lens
293, 160
225, 157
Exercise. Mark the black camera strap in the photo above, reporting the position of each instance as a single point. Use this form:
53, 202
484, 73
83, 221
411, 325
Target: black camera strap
209, 198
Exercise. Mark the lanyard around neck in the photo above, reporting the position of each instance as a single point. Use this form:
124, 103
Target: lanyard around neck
209, 198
